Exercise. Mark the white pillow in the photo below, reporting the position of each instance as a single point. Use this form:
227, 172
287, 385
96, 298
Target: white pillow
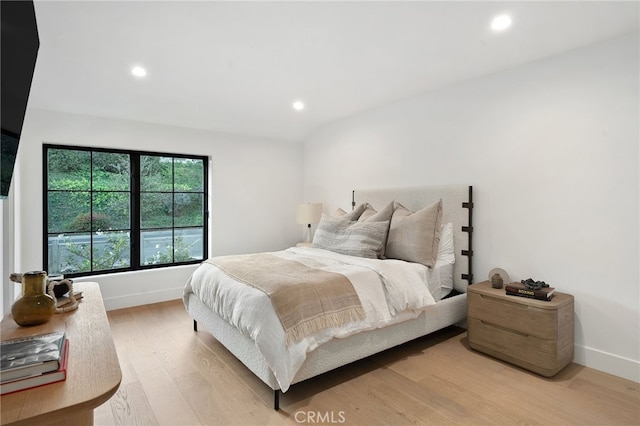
446, 251
442, 272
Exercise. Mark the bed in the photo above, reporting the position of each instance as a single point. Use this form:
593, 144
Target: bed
213, 295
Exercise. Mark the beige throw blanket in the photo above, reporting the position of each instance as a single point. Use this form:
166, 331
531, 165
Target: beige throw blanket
305, 299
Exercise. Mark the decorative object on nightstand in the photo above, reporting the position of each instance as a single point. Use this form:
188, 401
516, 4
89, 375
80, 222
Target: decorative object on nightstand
498, 277
308, 214
533, 334
496, 281
35, 306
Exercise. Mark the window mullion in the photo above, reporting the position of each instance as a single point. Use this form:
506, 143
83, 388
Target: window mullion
91, 212
45, 208
173, 210
135, 218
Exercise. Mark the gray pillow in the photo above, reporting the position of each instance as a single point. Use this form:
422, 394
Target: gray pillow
362, 239
414, 236
371, 215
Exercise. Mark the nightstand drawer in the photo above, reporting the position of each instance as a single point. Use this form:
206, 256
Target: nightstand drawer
512, 346
514, 315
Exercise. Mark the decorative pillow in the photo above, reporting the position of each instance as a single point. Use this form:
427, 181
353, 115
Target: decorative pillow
362, 239
353, 214
414, 236
371, 215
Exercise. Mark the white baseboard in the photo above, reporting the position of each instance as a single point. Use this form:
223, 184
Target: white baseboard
138, 299
608, 363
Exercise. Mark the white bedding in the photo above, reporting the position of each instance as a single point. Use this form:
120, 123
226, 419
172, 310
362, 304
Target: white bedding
390, 291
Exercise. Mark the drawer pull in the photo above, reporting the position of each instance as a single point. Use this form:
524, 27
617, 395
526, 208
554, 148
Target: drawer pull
507, 302
488, 324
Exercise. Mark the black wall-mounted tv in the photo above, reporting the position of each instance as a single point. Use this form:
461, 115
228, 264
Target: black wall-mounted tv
19, 45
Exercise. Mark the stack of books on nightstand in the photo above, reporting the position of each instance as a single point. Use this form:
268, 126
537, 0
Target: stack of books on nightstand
32, 361
519, 289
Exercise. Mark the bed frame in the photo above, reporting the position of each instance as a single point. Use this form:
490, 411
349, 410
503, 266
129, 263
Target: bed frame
457, 209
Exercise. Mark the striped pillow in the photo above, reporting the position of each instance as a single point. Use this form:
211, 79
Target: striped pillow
361, 239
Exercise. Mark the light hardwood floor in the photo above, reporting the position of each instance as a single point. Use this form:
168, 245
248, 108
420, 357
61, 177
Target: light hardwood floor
175, 376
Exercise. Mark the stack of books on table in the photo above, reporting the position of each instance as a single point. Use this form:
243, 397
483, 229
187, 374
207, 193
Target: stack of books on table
519, 289
65, 300
32, 361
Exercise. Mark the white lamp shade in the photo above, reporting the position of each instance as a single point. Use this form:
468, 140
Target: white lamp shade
308, 213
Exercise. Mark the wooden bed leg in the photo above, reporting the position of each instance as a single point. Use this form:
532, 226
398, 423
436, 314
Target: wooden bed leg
195, 325
276, 399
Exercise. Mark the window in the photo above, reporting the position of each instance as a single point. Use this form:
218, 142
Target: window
114, 210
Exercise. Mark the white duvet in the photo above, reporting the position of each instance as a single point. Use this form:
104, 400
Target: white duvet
390, 291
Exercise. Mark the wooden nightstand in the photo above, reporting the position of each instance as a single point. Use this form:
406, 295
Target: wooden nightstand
532, 334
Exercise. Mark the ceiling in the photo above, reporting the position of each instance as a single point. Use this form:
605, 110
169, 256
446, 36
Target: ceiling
237, 67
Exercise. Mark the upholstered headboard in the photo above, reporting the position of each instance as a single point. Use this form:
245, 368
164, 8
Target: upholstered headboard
457, 205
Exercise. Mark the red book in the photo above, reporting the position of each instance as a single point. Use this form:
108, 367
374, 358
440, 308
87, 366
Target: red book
42, 379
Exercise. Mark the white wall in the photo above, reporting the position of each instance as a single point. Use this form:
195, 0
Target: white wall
551, 149
4, 294
255, 186
10, 290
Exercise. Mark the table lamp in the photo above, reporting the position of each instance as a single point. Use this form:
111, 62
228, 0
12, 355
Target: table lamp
307, 214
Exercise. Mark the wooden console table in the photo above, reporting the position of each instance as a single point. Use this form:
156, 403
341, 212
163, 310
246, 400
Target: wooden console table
93, 371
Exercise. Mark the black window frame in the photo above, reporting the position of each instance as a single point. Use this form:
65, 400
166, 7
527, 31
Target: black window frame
135, 237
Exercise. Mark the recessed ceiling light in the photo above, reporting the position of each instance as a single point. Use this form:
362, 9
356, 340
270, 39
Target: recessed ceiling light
298, 105
501, 22
138, 71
